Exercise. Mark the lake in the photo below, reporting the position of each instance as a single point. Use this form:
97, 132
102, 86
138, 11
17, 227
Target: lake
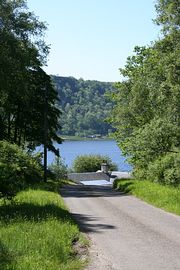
69, 150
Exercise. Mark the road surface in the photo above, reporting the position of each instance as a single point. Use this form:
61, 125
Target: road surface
125, 233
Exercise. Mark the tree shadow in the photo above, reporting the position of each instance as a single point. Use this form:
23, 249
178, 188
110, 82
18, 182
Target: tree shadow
29, 211
78, 191
37, 213
88, 223
6, 257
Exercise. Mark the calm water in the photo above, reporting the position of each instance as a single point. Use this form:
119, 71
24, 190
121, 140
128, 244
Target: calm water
69, 150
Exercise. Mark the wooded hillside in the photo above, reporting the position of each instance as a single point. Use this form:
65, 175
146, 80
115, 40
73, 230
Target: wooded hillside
84, 105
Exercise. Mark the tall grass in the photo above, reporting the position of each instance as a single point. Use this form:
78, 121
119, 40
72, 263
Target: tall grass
165, 197
37, 232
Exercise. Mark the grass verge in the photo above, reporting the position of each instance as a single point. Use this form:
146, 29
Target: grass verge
165, 197
37, 232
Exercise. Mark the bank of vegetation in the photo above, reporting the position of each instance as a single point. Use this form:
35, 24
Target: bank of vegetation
165, 197
36, 229
146, 114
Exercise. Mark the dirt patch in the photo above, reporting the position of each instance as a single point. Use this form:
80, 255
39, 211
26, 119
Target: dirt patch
81, 249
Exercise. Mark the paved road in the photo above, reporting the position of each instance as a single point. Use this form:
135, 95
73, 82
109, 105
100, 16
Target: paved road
126, 233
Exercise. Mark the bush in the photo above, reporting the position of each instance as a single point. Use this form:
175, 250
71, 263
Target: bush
59, 169
92, 163
18, 170
165, 170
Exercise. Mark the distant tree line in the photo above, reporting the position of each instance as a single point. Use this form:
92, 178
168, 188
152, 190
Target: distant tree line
84, 105
147, 103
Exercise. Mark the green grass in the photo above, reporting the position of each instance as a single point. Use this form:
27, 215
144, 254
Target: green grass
165, 197
37, 232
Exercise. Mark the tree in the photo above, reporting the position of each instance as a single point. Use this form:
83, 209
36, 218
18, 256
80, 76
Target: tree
23, 83
147, 110
168, 14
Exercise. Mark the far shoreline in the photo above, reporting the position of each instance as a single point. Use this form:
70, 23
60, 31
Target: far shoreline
77, 138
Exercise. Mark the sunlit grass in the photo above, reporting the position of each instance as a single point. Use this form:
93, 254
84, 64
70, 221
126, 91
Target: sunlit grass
37, 232
165, 197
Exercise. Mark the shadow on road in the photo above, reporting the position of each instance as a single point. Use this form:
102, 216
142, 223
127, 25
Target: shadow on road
79, 191
88, 223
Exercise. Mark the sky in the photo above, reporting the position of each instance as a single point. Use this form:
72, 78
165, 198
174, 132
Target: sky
91, 39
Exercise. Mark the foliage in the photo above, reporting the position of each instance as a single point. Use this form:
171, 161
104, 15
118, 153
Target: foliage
92, 163
18, 170
84, 106
147, 112
168, 14
59, 169
165, 169
26, 90
165, 197
37, 232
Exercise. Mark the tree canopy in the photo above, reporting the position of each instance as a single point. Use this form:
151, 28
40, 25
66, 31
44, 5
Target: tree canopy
26, 90
147, 110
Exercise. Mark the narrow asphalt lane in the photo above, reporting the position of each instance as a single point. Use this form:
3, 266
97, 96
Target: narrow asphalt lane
125, 232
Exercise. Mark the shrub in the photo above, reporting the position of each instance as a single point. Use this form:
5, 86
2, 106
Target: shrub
92, 163
59, 169
18, 170
166, 169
